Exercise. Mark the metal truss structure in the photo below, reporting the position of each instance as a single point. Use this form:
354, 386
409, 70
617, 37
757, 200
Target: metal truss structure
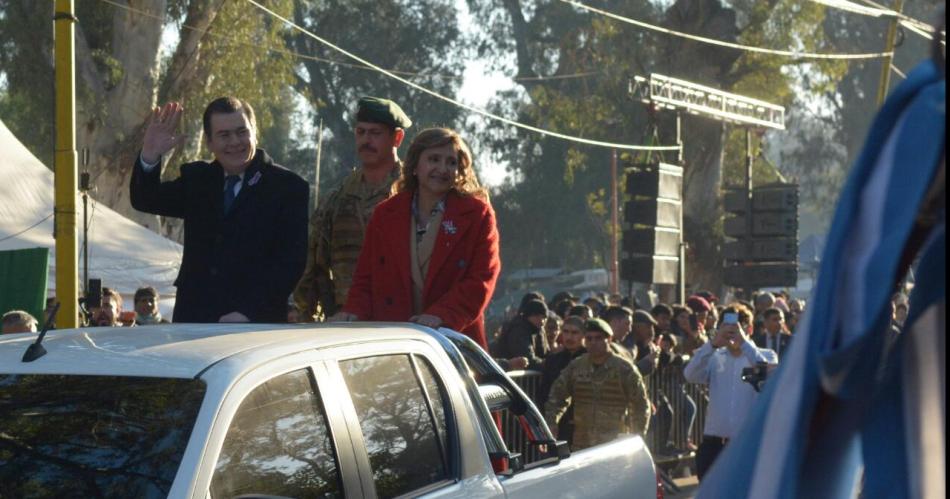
676, 94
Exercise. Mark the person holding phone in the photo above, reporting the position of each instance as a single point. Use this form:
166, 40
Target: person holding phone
691, 337
719, 365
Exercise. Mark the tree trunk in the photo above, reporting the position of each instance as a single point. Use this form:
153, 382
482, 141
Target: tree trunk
703, 138
112, 127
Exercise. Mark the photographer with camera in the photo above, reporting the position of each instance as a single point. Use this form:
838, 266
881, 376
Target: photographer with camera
106, 313
720, 364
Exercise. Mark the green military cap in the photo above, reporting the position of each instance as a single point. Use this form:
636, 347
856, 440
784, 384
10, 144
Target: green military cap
599, 325
385, 111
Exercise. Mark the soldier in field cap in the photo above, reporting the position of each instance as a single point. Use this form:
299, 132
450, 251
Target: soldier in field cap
606, 390
338, 226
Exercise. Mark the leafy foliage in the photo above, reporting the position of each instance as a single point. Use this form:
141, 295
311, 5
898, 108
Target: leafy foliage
419, 37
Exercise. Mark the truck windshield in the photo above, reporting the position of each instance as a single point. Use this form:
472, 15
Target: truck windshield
93, 436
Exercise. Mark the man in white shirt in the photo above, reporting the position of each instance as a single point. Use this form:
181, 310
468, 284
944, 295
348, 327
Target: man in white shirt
719, 364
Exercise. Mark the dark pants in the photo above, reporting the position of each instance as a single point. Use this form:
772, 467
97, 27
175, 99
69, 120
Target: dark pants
708, 450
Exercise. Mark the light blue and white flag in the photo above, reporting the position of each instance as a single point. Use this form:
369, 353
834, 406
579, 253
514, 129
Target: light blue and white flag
839, 401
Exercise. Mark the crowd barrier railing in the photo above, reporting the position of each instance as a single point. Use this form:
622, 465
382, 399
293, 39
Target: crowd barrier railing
670, 431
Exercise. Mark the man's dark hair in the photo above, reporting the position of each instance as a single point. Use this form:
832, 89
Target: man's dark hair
146, 292
771, 312
227, 105
530, 295
615, 312
670, 337
581, 311
562, 307
661, 309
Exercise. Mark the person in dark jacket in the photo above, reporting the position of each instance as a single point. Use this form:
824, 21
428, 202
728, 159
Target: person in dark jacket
519, 337
245, 216
572, 334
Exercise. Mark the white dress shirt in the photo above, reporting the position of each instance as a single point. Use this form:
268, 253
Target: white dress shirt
147, 167
730, 398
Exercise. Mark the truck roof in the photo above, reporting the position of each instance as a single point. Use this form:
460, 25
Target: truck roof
181, 350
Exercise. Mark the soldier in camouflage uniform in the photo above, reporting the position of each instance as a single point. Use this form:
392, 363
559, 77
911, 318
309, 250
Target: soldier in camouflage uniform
338, 226
607, 392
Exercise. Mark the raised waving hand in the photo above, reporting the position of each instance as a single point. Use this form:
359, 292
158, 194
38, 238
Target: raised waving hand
161, 134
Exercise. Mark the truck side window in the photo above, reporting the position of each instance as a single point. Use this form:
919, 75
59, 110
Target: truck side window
437, 400
402, 440
279, 444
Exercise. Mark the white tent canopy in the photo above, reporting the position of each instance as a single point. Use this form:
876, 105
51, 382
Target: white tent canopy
125, 255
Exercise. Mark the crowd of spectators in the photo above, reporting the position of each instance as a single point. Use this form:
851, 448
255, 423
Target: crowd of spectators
703, 342
595, 356
106, 311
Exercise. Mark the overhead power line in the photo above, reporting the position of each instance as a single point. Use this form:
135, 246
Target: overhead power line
721, 43
877, 10
854, 8
333, 62
455, 102
11, 236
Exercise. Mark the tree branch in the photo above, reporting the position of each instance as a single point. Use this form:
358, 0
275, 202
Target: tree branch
181, 71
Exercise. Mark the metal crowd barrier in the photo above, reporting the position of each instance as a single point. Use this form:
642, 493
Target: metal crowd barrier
668, 425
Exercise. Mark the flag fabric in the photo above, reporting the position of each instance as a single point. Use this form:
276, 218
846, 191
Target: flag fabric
839, 389
23, 275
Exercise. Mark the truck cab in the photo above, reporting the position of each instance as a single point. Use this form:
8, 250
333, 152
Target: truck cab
337, 410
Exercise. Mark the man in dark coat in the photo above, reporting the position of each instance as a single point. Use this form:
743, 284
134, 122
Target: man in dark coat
519, 337
245, 216
774, 335
572, 332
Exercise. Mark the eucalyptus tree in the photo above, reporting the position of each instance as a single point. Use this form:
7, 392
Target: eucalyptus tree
129, 57
551, 38
419, 40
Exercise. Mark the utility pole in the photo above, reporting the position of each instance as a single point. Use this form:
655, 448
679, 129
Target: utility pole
67, 289
889, 47
316, 181
614, 226
681, 275
749, 163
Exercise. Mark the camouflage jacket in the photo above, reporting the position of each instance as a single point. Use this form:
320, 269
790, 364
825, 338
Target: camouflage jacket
608, 400
337, 229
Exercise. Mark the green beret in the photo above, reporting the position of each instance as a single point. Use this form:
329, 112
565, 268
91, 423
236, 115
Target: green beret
385, 111
599, 325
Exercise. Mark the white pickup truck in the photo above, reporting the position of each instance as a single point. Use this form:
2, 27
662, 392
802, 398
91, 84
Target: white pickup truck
264, 411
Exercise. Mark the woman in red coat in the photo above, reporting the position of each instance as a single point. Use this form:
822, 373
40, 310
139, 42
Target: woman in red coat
431, 251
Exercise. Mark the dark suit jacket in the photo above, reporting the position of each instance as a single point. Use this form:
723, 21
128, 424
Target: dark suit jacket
246, 261
761, 341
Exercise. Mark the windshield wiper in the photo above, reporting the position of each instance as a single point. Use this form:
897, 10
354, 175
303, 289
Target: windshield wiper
36, 350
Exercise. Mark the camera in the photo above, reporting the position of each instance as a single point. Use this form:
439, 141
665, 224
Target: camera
756, 375
93, 299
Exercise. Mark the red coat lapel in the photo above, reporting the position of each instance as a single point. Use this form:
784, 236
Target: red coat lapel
455, 224
394, 224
